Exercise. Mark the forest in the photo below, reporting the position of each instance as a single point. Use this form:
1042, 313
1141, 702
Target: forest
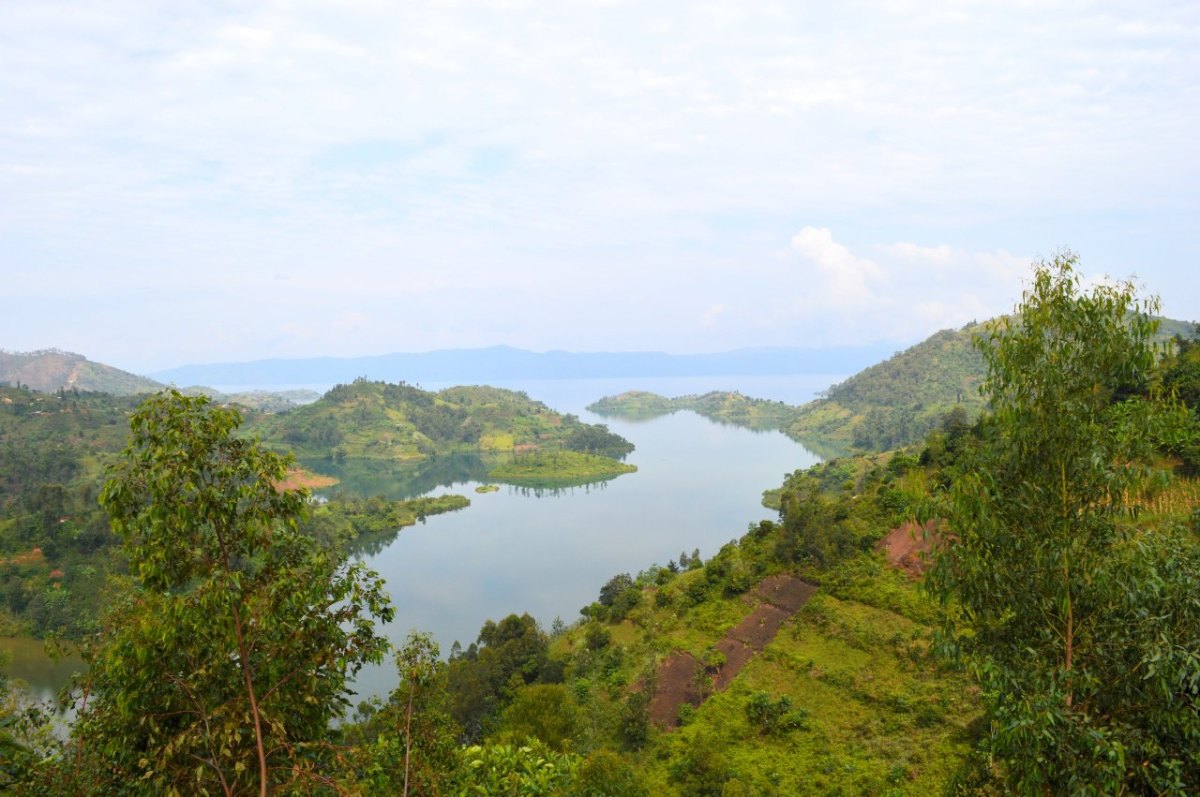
1007, 605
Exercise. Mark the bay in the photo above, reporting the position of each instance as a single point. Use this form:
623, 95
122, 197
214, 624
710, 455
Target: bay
547, 552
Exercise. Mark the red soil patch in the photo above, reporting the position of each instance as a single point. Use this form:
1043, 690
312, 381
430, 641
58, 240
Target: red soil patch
298, 478
759, 627
782, 596
737, 654
908, 547
786, 592
676, 686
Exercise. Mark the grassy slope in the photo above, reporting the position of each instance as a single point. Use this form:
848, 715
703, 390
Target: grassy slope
47, 371
881, 718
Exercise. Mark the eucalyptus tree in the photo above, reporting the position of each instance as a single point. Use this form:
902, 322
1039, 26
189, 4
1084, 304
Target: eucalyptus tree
228, 651
1082, 625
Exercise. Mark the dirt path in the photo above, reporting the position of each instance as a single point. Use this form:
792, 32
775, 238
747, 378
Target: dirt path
681, 678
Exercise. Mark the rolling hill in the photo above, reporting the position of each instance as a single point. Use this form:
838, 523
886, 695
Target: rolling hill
51, 370
890, 404
382, 421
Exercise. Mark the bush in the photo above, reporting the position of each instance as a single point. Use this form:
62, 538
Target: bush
774, 716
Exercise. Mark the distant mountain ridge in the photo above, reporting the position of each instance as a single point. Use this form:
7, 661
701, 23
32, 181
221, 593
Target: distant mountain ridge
49, 370
505, 362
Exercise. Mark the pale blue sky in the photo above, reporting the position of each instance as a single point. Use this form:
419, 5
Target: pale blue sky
192, 182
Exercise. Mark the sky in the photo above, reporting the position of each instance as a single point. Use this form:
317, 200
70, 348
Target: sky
190, 182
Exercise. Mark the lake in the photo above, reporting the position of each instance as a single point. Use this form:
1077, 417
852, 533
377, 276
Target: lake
699, 485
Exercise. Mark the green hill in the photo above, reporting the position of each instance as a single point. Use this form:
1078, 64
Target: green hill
381, 421
891, 404
51, 370
720, 406
898, 401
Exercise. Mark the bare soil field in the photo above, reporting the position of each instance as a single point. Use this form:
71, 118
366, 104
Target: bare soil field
908, 547
777, 598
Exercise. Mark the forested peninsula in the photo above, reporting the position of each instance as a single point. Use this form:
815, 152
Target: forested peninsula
889, 405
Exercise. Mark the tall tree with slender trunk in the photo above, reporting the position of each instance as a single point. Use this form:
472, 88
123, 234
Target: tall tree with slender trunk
1083, 629
228, 653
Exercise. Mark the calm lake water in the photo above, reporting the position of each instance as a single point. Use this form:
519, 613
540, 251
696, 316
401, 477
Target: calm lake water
699, 485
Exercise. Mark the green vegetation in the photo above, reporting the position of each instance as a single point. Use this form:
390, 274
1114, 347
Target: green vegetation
1080, 620
258, 400
227, 654
635, 405
381, 421
56, 547
1038, 634
719, 406
558, 468
342, 519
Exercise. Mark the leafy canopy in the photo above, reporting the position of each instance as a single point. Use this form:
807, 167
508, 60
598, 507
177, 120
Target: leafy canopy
229, 650
1082, 629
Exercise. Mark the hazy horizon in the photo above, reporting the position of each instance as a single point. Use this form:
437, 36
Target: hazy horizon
197, 183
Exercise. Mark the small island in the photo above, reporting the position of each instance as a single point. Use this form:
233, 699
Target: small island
558, 468
719, 406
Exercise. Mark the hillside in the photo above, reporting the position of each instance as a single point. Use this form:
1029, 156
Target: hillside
381, 421
890, 404
51, 370
898, 401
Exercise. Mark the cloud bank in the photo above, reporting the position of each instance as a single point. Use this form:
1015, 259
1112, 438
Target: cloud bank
353, 177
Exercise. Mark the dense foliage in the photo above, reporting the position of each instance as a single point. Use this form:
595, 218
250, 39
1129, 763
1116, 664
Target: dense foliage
228, 651
1081, 624
383, 421
1054, 651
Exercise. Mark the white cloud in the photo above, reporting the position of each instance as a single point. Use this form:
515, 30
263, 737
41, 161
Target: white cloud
846, 278
544, 152
905, 292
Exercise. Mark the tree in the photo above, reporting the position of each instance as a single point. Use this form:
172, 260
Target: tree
228, 651
1082, 629
410, 745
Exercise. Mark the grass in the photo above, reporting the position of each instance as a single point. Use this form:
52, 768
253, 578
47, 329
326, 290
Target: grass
879, 718
558, 468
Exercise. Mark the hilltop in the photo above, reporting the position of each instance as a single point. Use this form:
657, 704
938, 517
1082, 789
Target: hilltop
891, 404
382, 421
51, 370
718, 405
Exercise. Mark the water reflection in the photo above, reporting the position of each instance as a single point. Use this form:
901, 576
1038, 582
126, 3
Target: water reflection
403, 480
